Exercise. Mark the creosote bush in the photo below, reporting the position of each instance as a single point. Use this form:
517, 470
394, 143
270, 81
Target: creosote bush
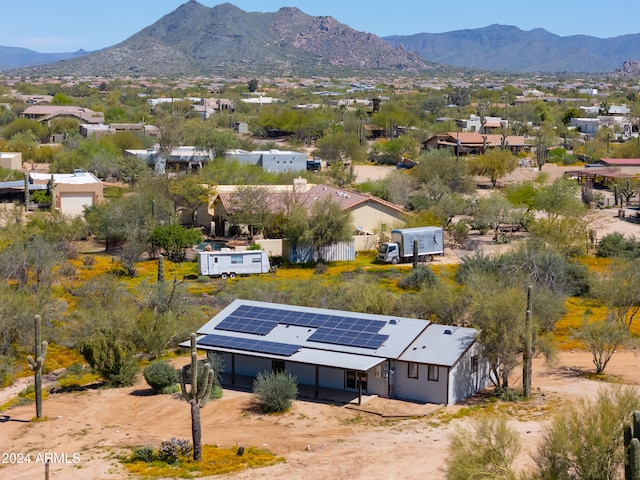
275, 391
419, 277
161, 376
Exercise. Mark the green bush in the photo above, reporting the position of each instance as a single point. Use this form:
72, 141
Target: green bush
161, 376
275, 391
143, 454
417, 278
111, 357
615, 245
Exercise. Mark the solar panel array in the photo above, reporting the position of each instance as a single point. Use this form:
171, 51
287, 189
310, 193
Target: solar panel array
334, 329
250, 344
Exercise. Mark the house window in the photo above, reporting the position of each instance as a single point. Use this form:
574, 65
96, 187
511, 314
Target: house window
412, 370
432, 373
474, 364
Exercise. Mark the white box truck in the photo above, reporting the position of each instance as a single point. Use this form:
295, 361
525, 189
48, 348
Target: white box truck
400, 248
229, 263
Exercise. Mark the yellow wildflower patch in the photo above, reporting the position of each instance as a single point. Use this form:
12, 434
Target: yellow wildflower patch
215, 461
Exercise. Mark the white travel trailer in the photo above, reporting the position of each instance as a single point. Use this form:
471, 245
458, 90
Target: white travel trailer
229, 263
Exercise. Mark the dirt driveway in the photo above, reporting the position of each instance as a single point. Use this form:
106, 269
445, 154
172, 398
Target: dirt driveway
318, 440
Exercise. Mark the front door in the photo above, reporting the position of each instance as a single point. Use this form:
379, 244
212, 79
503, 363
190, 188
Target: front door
351, 380
277, 366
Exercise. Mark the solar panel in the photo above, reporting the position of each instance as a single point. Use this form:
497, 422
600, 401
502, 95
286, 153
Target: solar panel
246, 325
348, 338
334, 329
249, 344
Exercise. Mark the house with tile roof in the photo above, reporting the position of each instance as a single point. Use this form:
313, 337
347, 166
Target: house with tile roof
46, 113
369, 213
473, 143
340, 352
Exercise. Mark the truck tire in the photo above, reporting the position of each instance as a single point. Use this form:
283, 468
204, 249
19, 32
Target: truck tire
232, 275
223, 276
395, 260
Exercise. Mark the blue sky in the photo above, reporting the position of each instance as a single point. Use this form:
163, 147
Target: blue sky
68, 25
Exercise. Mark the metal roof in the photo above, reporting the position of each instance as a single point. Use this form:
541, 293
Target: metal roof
440, 345
400, 333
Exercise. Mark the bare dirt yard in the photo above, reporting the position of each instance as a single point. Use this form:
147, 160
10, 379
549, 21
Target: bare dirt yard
381, 439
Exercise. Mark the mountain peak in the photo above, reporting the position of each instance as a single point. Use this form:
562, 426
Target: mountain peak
198, 40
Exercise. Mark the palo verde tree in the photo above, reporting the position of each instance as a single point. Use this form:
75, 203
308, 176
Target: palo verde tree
494, 164
197, 396
484, 451
585, 439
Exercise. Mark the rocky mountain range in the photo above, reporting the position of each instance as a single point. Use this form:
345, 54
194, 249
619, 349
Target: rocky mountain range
197, 40
507, 48
16, 57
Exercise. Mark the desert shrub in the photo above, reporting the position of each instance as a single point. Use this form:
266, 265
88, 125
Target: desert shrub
143, 454
6, 370
111, 357
77, 375
485, 450
419, 277
585, 439
67, 269
615, 245
459, 231
275, 391
161, 376
171, 450
88, 261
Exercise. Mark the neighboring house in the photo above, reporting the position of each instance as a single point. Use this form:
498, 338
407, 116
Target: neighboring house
585, 125
275, 161
383, 355
181, 158
482, 124
71, 193
467, 143
212, 106
11, 160
369, 213
46, 113
87, 130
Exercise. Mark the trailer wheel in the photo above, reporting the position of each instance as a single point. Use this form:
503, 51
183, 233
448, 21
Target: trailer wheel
232, 275
395, 260
223, 276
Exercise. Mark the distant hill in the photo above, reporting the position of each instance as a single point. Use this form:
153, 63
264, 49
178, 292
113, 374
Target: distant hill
507, 48
198, 40
15, 57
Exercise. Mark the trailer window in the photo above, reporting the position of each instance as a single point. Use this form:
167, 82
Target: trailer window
236, 259
256, 260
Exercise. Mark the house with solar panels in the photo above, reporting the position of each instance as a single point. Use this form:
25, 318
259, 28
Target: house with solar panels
340, 351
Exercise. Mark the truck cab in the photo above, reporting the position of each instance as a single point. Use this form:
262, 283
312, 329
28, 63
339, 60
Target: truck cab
389, 253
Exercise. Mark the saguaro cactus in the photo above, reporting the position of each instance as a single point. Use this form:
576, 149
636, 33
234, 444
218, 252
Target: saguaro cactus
197, 397
37, 364
529, 349
632, 448
160, 268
